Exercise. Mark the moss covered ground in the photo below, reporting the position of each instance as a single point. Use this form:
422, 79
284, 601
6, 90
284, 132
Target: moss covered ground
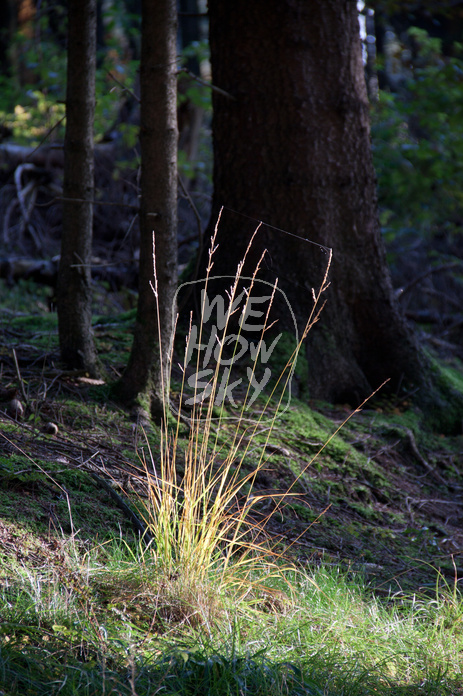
381, 494
372, 496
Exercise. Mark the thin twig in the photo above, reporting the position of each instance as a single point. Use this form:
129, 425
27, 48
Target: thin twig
126, 89
200, 241
195, 211
417, 454
20, 379
205, 83
438, 269
47, 135
436, 501
93, 202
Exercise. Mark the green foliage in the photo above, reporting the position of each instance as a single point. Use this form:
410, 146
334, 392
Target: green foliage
32, 97
418, 145
32, 119
10, 473
31, 101
197, 92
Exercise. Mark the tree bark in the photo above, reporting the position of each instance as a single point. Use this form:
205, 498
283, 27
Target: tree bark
146, 376
74, 295
292, 148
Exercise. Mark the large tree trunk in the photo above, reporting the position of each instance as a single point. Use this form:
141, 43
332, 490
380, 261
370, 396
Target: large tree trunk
292, 148
74, 278
147, 372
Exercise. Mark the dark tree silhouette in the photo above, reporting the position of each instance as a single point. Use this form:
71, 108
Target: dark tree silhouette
74, 296
292, 148
145, 379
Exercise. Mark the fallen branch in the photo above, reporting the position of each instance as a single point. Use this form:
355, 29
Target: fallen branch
139, 526
45, 271
417, 454
437, 269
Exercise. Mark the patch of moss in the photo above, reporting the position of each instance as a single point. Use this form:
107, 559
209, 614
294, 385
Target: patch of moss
35, 323
300, 420
49, 500
117, 320
286, 356
442, 405
302, 512
25, 296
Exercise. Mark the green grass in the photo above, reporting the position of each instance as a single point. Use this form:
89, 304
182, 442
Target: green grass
102, 622
79, 615
343, 586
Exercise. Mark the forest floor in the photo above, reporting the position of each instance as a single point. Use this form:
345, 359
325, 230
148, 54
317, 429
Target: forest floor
381, 498
382, 495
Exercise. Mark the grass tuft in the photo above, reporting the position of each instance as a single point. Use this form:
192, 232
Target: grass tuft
207, 543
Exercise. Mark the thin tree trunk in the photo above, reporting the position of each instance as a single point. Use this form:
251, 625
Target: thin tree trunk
74, 293
145, 379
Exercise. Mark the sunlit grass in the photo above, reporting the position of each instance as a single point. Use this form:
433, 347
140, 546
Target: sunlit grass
206, 544
109, 624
